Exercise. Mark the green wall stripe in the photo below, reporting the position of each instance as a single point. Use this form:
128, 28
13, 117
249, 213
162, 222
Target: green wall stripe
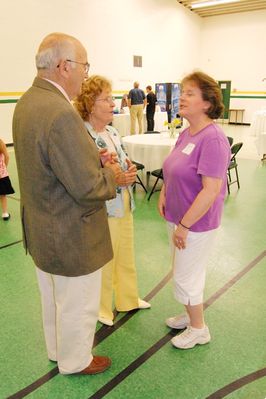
8, 101
258, 97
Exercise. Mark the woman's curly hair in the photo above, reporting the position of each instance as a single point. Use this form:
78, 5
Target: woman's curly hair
91, 89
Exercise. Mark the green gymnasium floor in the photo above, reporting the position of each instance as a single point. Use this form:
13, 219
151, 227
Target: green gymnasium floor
145, 365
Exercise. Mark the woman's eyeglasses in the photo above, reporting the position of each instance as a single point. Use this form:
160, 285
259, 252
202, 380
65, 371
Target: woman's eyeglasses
108, 99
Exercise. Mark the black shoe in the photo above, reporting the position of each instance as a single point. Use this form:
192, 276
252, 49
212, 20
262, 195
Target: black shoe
6, 217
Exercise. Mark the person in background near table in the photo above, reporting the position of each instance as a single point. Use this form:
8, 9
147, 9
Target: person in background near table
95, 106
63, 189
123, 103
5, 183
136, 104
191, 200
150, 108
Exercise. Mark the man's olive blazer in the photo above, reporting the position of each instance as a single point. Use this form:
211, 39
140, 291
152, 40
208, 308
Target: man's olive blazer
63, 187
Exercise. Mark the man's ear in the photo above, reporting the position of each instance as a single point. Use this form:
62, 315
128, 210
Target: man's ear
63, 67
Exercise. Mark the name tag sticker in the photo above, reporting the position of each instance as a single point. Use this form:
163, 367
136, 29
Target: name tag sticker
188, 149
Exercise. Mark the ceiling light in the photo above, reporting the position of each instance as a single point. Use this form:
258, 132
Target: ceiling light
211, 3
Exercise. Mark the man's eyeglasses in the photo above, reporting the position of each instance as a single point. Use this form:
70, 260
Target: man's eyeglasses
108, 99
85, 64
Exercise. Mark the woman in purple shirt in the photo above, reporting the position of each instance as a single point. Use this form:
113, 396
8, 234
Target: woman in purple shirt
191, 201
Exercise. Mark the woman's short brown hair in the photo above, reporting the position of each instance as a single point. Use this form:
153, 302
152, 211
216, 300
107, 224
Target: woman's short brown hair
91, 89
210, 90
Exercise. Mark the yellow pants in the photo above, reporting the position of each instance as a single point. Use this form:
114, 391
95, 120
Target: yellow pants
119, 275
136, 112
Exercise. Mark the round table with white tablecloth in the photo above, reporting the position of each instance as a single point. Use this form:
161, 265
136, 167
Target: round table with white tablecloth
149, 149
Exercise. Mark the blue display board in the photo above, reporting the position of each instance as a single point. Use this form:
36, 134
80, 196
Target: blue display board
168, 95
175, 94
160, 89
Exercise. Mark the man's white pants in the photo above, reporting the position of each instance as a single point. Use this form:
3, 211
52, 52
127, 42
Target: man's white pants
70, 308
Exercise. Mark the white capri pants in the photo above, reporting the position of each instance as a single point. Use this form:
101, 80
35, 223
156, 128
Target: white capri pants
189, 265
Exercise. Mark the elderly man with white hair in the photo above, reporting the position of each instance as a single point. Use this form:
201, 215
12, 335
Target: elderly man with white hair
64, 186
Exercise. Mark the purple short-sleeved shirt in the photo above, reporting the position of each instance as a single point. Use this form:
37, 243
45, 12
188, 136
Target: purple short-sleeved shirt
206, 153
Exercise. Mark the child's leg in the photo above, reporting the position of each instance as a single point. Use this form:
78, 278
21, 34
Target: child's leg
3, 201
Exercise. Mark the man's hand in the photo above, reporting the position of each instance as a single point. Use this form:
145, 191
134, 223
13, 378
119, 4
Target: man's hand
114, 166
123, 179
126, 179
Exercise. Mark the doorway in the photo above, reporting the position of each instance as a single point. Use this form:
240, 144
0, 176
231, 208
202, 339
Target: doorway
225, 86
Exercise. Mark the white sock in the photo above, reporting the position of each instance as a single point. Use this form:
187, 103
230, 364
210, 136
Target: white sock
198, 329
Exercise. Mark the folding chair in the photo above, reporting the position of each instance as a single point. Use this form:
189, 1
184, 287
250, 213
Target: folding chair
231, 140
158, 173
233, 165
139, 166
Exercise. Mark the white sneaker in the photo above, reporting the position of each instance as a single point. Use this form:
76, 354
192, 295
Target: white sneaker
143, 304
107, 322
178, 322
191, 337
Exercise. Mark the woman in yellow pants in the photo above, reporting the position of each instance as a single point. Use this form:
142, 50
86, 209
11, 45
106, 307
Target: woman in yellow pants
95, 105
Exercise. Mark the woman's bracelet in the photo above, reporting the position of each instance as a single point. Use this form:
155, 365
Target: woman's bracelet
185, 227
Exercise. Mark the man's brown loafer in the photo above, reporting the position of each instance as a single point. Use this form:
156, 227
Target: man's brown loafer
98, 365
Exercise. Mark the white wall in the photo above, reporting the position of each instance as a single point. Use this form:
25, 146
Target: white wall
171, 39
233, 48
165, 33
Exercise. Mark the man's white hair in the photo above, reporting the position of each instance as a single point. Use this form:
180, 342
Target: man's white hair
54, 48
